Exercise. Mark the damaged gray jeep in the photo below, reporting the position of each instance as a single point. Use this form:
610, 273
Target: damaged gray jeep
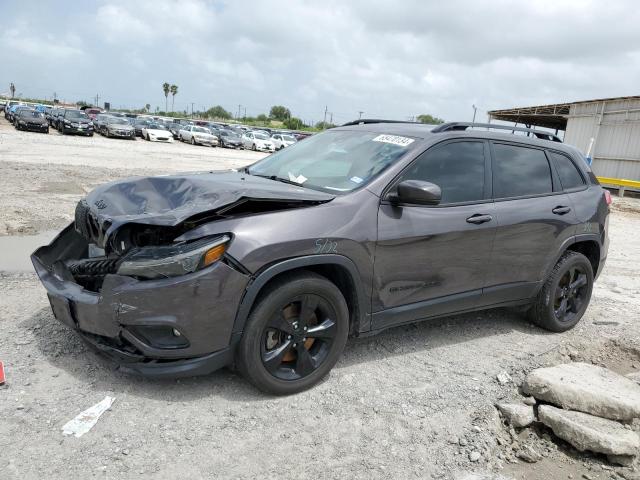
371, 225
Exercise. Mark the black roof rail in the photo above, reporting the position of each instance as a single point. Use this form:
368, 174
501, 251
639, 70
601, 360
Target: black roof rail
366, 121
453, 126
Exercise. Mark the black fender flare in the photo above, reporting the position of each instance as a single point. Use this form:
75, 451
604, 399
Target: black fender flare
565, 246
262, 277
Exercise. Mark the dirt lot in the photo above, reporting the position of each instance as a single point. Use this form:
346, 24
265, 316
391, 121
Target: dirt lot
414, 401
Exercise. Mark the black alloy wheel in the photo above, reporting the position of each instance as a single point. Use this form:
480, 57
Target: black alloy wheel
297, 339
565, 295
295, 334
570, 294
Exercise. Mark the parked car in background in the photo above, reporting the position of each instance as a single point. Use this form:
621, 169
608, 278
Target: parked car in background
92, 112
258, 141
75, 122
100, 122
118, 127
174, 128
282, 140
13, 111
197, 136
139, 124
31, 120
230, 139
157, 132
7, 107
57, 116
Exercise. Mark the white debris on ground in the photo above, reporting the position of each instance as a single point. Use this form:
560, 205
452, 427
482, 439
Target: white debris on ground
86, 420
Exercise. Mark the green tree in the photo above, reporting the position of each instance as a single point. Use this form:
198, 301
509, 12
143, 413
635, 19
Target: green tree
166, 88
293, 123
218, 112
280, 112
262, 118
174, 91
324, 125
429, 119
147, 107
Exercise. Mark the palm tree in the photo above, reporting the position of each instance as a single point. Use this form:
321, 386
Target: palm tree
166, 88
174, 91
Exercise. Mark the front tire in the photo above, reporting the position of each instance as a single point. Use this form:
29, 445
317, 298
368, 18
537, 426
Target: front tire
295, 334
193, 141
565, 295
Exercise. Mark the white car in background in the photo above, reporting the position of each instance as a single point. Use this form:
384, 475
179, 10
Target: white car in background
157, 132
258, 141
197, 136
282, 140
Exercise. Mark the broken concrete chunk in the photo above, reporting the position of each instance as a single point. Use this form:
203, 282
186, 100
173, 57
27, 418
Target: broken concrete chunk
503, 378
586, 388
586, 432
516, 414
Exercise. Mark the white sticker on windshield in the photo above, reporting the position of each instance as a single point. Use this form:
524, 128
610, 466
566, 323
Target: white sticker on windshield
356, 179
394, 139
299, 179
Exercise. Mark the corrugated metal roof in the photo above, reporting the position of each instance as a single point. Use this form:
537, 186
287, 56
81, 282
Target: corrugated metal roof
550, 116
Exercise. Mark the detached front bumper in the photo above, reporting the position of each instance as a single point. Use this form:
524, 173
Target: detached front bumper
128, 319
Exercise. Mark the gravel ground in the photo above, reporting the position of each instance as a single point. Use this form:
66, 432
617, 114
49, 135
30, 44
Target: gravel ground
413, 402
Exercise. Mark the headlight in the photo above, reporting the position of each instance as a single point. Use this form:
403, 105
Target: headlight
172, 261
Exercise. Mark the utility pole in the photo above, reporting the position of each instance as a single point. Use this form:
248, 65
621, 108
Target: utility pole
239, 107
324, 122
97, 98
244, 115
192, 109
360, 115
331, 118
474, 113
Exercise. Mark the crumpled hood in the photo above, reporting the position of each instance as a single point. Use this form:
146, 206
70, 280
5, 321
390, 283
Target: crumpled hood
169, 200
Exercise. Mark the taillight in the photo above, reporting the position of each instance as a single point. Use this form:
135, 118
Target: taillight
607, 197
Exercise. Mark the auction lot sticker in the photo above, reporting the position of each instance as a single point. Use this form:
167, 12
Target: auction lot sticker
394, 139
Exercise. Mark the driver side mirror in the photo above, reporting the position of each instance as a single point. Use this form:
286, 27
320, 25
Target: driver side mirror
416, 192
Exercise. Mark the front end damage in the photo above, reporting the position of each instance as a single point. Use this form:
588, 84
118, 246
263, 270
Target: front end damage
157, 306
158, 326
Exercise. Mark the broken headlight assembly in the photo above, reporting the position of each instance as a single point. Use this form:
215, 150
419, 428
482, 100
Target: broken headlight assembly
173, 260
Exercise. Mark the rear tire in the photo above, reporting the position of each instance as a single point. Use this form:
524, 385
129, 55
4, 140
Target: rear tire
565, 295
302, 304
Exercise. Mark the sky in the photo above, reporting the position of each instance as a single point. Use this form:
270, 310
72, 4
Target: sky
387, 59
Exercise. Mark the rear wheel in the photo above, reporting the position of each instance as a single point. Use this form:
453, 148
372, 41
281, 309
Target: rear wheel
254, 147
294, 335
565, 295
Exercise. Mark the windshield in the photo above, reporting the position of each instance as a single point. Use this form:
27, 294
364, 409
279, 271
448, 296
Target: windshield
156, 126
117, 121
261, 136
288, 138
30, 113
200, 130
75, 114
334, 161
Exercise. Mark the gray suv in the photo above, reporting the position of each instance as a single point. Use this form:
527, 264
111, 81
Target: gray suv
354, 230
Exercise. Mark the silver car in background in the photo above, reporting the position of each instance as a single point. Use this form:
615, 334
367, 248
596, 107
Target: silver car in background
197, 136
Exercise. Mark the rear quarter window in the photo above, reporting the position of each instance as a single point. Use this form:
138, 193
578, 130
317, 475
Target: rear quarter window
570, 177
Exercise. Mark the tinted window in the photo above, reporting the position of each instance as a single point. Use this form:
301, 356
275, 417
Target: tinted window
519, 171
458, 168
567, 171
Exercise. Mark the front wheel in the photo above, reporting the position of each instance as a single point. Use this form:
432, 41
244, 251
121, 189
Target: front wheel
193, 141
254, 147
294, 335
565, 295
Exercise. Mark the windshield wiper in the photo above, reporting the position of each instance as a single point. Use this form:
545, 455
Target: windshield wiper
275, 178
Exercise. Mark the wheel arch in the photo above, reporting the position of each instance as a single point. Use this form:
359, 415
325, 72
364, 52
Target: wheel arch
338, 269
589, 245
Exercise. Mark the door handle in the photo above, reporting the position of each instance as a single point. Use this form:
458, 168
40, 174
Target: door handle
478, 218
561, 210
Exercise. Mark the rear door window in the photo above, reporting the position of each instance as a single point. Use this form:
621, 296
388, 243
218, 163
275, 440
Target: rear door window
520, 171
570, 177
